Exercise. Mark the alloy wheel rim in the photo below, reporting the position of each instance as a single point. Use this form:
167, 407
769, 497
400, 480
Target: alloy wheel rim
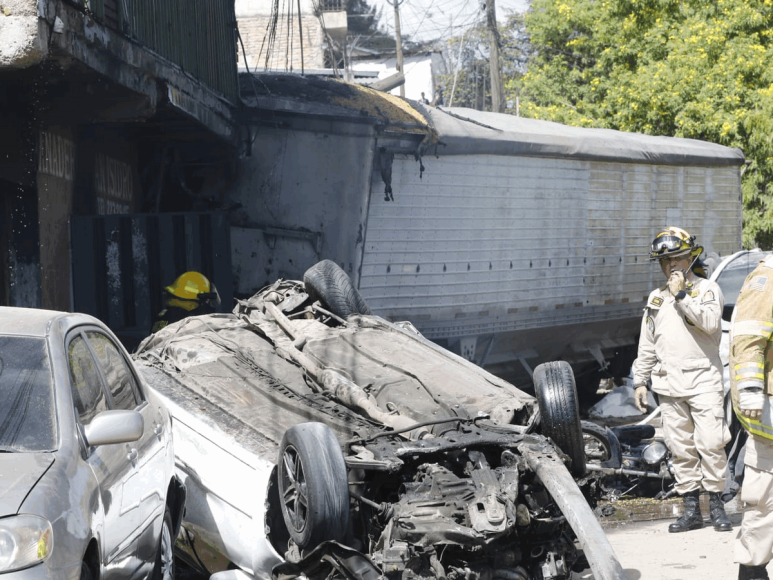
294, 487
167, 553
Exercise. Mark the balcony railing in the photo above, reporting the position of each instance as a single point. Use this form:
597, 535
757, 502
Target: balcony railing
332, 5
197, 35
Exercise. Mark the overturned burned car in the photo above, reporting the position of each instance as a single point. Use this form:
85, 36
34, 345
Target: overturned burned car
317, 439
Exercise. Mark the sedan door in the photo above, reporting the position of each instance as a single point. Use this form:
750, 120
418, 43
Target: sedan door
144, 490
109, 463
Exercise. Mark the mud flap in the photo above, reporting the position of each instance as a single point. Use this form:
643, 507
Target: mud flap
319, 562
546, 463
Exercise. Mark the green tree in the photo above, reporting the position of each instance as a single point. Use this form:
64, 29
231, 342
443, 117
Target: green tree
686, 68
468, 55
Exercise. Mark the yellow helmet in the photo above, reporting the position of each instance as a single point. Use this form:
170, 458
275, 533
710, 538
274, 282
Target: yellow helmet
674, 241
190, 290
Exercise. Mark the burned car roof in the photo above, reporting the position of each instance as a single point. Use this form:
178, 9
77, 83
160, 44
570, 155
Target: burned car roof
387, 454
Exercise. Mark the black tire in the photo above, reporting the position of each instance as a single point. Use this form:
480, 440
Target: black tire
313, 485
633, 434
596, 443
327, 282
164, 568
86, 572
560, 411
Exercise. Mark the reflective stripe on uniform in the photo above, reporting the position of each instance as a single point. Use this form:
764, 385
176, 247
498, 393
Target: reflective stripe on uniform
749, 370
749, 367
751, 384
742, 377
755, 426
753, 328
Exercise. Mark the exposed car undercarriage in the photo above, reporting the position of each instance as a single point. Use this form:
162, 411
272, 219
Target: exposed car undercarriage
398, 458
464, 505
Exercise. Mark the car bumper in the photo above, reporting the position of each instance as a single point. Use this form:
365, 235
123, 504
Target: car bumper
44, 572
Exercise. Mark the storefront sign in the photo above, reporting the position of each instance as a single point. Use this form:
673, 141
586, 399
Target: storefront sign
113, 184
56, 156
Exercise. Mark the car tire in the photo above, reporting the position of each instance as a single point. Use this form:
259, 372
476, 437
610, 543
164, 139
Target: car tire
596, 443
327, 282
633, 434
86, 572
164, 568
560, 411
313, 485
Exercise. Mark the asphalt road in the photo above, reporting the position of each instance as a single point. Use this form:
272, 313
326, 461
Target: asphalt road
648, 552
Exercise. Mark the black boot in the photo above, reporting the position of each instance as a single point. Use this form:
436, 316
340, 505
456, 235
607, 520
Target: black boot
691, 518
752, 573
718, 516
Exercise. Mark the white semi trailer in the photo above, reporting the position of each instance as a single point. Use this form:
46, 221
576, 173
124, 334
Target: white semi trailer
511, 241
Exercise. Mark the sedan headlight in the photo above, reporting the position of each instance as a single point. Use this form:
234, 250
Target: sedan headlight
24, 541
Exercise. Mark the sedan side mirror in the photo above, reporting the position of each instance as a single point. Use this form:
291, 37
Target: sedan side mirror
111, 427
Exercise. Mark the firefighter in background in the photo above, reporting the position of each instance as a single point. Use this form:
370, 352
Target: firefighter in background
679, 353
190, 294
751, 385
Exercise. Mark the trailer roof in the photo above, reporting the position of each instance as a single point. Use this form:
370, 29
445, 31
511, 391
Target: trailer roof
463, 131
460, 131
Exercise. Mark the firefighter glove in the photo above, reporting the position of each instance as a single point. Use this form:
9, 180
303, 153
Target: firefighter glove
750, 402
676, 283
640, 398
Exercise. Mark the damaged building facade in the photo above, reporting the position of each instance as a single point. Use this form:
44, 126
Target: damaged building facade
112, 109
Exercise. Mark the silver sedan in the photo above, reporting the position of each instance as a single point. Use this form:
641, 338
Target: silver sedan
87, 484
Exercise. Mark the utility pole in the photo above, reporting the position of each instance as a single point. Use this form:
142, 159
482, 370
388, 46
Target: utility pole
398, 41
496, 75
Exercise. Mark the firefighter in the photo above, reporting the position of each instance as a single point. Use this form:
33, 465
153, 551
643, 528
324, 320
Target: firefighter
751, 384
190, 294
679, 354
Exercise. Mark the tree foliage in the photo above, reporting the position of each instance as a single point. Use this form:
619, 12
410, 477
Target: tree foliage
686, 68
467, 60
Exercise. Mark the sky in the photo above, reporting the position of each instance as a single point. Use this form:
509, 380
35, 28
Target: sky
426, 20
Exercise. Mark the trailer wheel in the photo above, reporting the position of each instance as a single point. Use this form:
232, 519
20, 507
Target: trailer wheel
313, 486
560, 412
327, 282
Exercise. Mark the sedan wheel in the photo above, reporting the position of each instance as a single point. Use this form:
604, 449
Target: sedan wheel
313, 486
560, 411
86, 573
598, 449
164, 568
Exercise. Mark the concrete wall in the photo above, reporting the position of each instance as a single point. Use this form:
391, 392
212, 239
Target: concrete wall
299, 183
417, 69
23, 34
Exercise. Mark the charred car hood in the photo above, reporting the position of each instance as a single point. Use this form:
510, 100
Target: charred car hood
19, 472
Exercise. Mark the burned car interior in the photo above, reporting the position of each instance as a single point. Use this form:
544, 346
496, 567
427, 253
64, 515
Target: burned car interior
390, 456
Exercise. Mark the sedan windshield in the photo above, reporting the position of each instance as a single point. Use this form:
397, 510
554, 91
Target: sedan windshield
27, 412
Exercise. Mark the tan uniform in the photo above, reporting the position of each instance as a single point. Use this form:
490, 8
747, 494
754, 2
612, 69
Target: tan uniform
750, 362
679, 352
